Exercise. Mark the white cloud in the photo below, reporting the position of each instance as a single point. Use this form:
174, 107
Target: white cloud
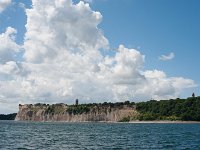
9, 68
88, 1
91, 1
163, 87
8, 47
62, 27
4, 4
170, 56
63, 61
22, 5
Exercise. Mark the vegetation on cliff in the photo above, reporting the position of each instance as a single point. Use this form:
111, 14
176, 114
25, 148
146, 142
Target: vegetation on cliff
85, 108
78, 109
178, 109
8, 116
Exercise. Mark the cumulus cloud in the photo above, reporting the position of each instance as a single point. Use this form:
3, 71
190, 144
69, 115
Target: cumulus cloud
61, 27
163, 87
170, 56
4, 4
62, 61
8, 47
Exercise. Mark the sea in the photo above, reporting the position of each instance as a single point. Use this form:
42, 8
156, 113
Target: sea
98, 136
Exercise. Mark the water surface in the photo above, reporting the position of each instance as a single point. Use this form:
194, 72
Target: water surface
98, 136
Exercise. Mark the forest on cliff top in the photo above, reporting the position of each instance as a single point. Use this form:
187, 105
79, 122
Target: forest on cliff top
173, 109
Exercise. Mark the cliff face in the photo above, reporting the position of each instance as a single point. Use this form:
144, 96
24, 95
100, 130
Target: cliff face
75, 113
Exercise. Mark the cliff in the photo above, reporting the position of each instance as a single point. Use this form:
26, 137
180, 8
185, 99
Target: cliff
77, 113
173, 109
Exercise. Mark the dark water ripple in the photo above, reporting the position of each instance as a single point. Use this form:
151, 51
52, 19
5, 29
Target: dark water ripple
97, 136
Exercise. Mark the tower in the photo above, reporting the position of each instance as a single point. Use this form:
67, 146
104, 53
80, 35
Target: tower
193, 95
76, 102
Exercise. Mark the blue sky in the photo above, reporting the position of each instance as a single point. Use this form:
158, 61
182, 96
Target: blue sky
154, 28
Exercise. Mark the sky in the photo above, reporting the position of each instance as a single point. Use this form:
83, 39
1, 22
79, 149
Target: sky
97, 50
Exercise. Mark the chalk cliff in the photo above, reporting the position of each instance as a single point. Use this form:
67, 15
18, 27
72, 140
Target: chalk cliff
77, 113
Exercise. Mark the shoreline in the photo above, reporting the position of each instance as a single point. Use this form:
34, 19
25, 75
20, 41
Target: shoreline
130, 122
165, 122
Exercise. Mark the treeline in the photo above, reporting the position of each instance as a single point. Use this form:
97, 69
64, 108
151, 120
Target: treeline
8, 116
110, 104
82, 108
178, 109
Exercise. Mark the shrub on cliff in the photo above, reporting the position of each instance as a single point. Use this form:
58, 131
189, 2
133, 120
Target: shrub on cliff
125, 119
79, 109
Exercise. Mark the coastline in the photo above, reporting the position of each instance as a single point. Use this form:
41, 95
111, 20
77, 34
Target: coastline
165, 122
130, 122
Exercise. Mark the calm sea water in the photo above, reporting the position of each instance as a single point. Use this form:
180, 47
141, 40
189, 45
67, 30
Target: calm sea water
100, 136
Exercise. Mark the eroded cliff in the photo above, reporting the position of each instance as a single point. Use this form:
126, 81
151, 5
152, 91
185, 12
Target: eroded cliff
77, 113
